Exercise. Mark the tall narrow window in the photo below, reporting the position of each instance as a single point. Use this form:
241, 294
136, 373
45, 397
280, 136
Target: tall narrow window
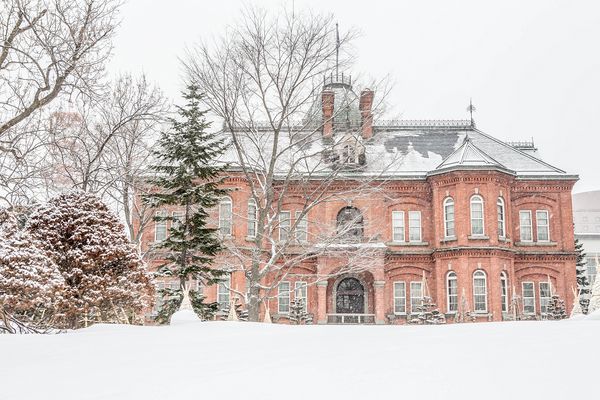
398, 226
501, 218
350, 224
416, 296
480, 292
301, 227
399, 297
504, 291
414, 226
449, 217
283, 297
543, 226
160, 227
223, 292
476, 216
452, 292
284, 225
544, 297
252, 218
300, 293
225, 216
525, 226
528, 298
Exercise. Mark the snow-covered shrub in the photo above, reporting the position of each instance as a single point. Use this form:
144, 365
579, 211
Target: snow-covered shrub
106, 280
31, 286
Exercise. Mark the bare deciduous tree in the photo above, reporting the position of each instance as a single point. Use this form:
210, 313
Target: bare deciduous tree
48, 48
265, 80
104, 147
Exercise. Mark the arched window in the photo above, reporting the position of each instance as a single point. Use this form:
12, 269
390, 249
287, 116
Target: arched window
350, 224
252, 217
452, 292
449, 217
501, 218
480, 292
504, 291
476, 215
225, 215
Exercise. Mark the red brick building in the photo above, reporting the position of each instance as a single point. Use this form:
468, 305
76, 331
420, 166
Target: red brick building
486, 223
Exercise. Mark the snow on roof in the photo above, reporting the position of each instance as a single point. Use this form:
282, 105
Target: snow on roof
405, 150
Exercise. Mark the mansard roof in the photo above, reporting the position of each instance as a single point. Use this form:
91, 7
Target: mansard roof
402, 149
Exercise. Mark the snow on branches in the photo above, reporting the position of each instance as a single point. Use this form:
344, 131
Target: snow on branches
106, 280
30, 283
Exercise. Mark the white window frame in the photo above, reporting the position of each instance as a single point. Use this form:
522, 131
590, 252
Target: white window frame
224, 291
160, 224
398, 224
521, 237
538, 225
301, 292
400, 298
504, 291
449, 225
301, 232
285, 218
252, 218
531, 298
544, 299
411, 227
226, 222
451, 278
501, 210
415, 286
477, 199
283, 294
480, 275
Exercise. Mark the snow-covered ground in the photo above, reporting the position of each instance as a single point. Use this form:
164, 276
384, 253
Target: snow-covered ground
235, 360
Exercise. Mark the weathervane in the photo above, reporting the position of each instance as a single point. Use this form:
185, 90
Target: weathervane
470, 109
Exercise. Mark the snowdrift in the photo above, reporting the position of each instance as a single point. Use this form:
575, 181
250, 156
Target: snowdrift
234, 360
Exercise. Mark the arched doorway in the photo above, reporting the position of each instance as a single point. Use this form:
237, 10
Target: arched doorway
350, 297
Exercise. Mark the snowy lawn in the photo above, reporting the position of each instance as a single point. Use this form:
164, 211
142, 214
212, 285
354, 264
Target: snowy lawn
234, 360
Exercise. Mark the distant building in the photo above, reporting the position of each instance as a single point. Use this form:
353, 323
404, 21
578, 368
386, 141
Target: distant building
586, 216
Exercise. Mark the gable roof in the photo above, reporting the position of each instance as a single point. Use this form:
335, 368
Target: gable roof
469, 156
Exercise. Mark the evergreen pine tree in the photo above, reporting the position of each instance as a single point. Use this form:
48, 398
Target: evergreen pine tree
428, 313
556, 308
188, 180
582, 280
298, 314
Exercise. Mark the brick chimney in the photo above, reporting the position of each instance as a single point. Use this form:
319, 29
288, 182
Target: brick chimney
366, 102
327, 99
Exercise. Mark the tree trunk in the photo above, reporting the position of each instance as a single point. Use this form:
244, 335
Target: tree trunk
253, 302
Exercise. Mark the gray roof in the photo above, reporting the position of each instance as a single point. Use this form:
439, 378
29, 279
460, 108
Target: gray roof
403, 149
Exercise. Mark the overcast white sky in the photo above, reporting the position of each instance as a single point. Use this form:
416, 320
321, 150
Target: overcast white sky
531, 67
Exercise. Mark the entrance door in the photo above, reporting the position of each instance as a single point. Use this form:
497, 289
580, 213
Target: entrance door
350, 297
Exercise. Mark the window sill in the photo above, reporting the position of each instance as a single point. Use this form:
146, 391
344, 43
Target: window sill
542, 244
449, 239
478, 237
504, 240
407, 243
250, 238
